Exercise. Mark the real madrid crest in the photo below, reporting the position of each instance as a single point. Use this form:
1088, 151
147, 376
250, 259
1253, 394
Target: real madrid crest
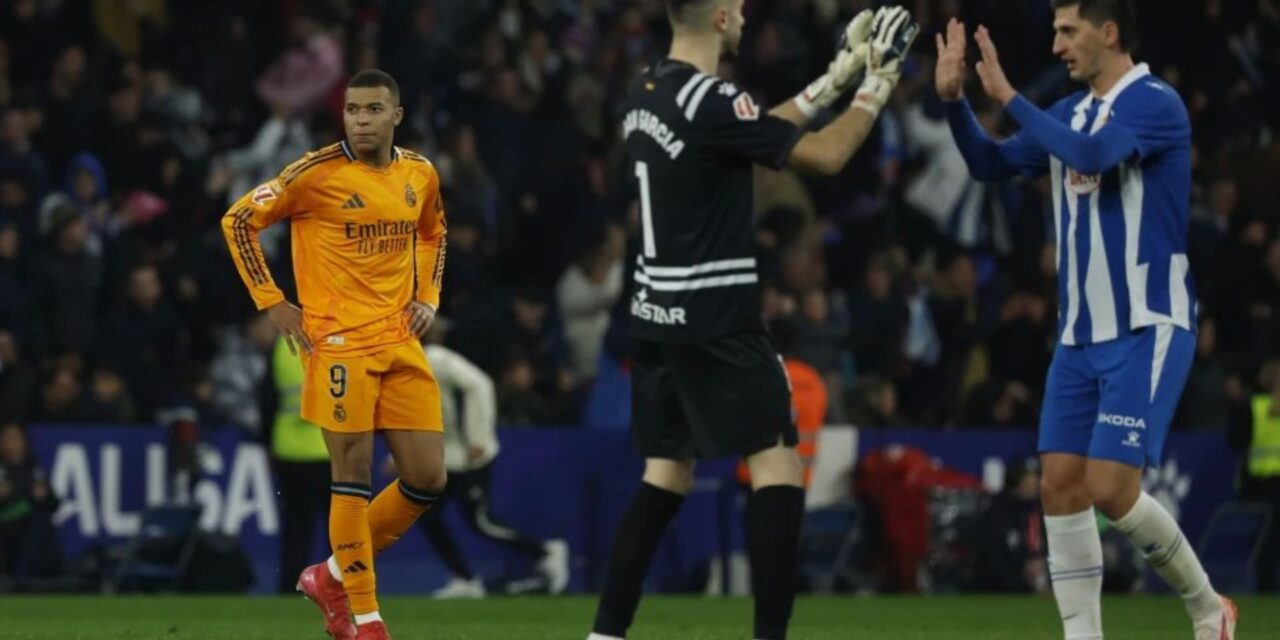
409, 196
339, 413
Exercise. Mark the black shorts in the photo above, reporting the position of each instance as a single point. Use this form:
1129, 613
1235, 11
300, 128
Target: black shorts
720, 397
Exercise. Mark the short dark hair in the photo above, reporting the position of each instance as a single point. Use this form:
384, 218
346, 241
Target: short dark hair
370, 78
679, 10
1099, 12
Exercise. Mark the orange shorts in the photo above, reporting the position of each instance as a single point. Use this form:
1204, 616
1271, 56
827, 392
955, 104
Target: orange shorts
391, 389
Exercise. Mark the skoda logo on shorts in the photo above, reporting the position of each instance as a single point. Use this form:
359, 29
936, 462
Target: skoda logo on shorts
339, 413
409, 196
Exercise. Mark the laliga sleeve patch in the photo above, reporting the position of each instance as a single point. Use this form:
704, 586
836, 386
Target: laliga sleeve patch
745, 108
264, 193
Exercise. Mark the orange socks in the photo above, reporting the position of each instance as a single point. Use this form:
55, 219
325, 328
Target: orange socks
352, 544
395, 509
358, 530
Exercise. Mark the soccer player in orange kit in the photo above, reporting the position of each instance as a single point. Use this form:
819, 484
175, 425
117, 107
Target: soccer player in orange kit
368, 232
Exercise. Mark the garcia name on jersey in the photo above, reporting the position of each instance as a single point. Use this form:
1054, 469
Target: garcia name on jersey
693, 139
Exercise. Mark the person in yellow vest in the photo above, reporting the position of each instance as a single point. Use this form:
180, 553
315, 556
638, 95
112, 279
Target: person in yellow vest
1262, 470
302, 466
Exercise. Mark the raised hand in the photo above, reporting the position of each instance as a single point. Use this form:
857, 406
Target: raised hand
844, 69
948, 77
851, 57
994, 82
892, 33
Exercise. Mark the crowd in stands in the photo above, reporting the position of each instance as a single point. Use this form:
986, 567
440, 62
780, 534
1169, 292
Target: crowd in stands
921, 297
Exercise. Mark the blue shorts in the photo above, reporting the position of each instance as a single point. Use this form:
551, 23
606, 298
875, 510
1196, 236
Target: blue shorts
1114, 400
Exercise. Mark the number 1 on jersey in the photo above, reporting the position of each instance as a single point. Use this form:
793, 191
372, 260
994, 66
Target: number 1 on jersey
646, 211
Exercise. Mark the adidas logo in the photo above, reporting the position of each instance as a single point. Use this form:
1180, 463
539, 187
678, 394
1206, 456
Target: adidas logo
355, 567
354, 202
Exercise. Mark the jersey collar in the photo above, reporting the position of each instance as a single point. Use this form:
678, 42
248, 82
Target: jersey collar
1138, 72
351, 156
666, 65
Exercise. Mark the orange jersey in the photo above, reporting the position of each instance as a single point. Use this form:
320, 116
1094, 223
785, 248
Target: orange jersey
366, 242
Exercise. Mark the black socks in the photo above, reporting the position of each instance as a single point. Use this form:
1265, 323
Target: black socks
638, 534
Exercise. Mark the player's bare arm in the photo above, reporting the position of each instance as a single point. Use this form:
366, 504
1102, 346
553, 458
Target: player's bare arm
827, 151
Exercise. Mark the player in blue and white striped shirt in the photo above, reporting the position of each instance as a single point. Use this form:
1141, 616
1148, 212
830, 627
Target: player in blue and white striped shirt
1119, 159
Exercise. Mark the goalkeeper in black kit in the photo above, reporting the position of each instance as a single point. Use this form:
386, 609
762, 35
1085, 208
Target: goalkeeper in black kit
707, 380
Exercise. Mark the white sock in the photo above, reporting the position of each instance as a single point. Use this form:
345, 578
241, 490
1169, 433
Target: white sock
598, 636
366, 618
334, 569
1075, 566
1161, 542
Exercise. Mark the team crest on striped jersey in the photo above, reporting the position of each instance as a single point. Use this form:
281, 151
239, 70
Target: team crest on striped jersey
263, 194
745, 108
410, 198
1078, 183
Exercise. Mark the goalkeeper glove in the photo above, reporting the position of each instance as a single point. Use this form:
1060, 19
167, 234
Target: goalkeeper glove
850, 58
892, 33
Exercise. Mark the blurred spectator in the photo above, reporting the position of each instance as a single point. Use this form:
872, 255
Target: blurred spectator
108, 398
61, 398
1000, 403
147, 341
820, 336
1011, 546
13, 297
1256, 432
16, 205
282, 139
66, 285
239, 372
87, 188
873, 403
28, 540
66, 104
879, 321
18, 380
519, 403
971, 213
20, 160
1022, 339
956, 319
302, 76
587, 291
1211, 389
530, 349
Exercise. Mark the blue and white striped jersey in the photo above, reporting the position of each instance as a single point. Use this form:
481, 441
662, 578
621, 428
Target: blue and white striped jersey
1121, 177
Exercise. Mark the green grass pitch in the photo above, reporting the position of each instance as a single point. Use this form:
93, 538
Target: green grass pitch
660, 618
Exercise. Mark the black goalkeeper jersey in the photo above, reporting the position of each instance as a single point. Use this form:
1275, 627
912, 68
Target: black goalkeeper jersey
693, 139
